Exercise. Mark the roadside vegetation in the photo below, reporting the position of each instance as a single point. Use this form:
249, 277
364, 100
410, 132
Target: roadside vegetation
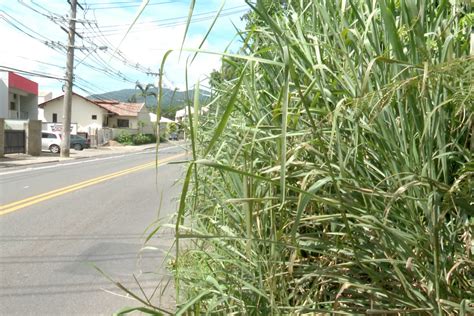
125, 138
334, 171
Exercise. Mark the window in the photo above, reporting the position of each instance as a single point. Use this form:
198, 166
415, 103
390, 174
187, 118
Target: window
48, 135
122, 123
55, 117
94, 117
13, 106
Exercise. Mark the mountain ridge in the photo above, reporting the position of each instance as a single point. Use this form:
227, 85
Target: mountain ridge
174, 99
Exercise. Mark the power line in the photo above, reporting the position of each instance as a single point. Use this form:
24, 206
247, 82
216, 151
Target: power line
31, 73
235, 9
105, 7
143, 28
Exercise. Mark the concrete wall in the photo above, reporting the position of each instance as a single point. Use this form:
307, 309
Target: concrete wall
3, 94
144, 116
81, 113
29, 104
2, 137
32, 130
33, 137
15, 124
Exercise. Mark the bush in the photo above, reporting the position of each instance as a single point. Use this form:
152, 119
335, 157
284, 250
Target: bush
141, 139
124, 138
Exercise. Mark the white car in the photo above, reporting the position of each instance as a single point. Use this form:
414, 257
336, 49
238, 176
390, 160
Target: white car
52, 141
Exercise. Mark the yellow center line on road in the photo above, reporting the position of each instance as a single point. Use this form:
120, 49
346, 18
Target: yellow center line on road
11, 207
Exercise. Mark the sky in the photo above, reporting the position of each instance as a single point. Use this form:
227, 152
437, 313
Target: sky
34, 38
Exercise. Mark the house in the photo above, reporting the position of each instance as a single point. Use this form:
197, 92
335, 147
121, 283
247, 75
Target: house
43, 97
163, 123
18, 97
127, 115
92, 117
87, 114
181, 115
20, 130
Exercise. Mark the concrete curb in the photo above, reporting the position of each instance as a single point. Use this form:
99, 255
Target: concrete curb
22, 160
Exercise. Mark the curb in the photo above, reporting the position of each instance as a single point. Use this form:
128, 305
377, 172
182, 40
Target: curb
109, 153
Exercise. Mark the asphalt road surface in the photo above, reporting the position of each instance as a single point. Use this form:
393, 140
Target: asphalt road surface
59, 223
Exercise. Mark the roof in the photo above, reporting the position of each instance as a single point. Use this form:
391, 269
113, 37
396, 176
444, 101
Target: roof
112, 106
121, 108
42, 105
21, 83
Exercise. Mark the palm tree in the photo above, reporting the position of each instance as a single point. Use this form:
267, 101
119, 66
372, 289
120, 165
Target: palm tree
144, 92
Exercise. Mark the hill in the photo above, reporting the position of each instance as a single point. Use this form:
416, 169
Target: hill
170, 103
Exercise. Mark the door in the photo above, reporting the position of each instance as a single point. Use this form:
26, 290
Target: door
14, 141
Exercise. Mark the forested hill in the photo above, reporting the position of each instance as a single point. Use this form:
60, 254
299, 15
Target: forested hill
126, 95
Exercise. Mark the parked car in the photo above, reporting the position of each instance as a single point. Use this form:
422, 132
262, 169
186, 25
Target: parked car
173, 136
52, 142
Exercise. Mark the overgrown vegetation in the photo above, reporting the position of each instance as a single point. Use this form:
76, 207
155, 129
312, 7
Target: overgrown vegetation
334, 171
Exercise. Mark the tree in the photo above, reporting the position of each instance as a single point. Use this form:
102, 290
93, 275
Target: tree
145, 92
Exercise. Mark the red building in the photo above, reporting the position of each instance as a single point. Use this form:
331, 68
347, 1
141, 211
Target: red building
18, 97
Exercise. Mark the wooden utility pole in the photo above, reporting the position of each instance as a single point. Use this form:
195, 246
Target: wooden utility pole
66, 132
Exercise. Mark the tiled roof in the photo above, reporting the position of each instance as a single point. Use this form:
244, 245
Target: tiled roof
120, 108
113, 106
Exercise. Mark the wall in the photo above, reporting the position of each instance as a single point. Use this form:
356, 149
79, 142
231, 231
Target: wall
81, 113
144, 116
32, 130
2, 137
29, 104
4, 94
15, 124
33, 137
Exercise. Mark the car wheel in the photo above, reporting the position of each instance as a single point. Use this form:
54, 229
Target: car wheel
78, 147
54, 149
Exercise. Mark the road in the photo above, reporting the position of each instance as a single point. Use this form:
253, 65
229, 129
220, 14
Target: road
58, 222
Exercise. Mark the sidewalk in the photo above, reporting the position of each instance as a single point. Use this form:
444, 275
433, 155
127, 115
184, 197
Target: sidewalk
19, 160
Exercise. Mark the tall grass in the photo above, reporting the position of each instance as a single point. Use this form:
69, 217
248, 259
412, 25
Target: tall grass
333, 172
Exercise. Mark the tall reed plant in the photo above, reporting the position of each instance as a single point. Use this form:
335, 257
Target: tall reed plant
333, 172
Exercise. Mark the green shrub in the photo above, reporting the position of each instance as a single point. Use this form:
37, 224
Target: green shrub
141, 139
124, 138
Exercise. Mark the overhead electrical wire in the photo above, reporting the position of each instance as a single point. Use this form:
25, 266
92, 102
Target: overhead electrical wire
210, 14
31, 73
95, 36
105, 7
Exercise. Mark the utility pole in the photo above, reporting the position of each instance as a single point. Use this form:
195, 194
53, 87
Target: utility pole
66, 132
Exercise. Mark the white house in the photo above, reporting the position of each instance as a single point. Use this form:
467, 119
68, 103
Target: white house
181, 115
103, 119
43, 97
85, 113
18, 97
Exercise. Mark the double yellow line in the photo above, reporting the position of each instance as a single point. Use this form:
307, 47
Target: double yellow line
11, 207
